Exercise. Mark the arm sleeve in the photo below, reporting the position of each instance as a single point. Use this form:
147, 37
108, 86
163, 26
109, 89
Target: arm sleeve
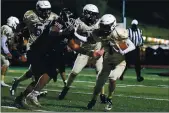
82, 38
131, 46
3, 44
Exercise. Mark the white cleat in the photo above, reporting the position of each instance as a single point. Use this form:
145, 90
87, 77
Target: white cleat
109, 105
32, 97
4, 84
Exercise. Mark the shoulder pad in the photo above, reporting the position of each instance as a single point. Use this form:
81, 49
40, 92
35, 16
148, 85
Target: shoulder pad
119, 33
54, 15
30, 16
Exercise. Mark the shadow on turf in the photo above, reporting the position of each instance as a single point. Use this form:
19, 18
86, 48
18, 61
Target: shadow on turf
159, 74
7, 101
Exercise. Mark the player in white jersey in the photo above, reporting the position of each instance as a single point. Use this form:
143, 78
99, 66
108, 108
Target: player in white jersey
84, 27
7, 37
115, 43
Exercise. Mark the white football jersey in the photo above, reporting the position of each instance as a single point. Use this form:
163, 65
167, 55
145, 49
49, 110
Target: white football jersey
8, 32
36, 24
85, 30
117, 36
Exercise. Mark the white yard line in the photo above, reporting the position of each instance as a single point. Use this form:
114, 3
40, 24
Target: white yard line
136, 97
122, 85
10, 107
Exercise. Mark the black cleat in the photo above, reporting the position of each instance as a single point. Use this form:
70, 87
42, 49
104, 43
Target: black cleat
14, 86
140, 79
109, 104
19, 102
103, 98
63, 93
91, 104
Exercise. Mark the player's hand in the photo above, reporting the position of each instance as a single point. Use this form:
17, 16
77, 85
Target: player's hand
23, 58
98, 53
122, 52
9, 55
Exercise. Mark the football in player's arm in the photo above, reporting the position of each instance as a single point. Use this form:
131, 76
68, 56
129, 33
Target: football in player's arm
115, 43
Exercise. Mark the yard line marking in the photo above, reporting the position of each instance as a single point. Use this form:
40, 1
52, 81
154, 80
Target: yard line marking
120, 95
11, 107
123, 85
128, 77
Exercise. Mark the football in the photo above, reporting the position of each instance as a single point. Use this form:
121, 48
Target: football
123, 45
23, 58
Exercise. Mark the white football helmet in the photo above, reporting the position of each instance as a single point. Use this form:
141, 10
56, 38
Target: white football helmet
90, 13
13, 22
91, 7
107, 23
43, 8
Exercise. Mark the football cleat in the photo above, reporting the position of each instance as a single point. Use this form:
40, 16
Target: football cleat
42, 94
3, 84
91, 104
109, 104
63, 93
140, 79
32, 97
103, 98
14, 86
20, 102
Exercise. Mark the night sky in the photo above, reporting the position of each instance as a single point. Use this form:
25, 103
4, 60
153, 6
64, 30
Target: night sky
154, 12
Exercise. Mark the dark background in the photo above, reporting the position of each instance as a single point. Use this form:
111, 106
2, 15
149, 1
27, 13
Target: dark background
148, 11
155, 12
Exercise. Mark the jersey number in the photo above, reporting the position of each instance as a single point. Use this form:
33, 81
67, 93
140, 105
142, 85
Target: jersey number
39, 29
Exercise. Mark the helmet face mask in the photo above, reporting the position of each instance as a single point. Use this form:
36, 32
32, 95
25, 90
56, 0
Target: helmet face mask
90, 17
44, 13
90, 14
107, 24
43, 8
67, 17
105, 29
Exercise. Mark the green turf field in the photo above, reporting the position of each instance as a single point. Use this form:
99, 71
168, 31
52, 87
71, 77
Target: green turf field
151, 95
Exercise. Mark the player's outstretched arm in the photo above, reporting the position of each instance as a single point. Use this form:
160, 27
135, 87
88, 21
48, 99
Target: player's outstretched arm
76, 47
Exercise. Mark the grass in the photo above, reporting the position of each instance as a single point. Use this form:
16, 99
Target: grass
151, 95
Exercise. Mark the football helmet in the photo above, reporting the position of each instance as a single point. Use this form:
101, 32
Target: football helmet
107, 24
90, 14
13, 22
67, 17
43, 8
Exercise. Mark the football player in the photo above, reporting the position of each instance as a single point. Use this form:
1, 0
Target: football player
115, 43
7, 35
84, 27
45, 58
35, 21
